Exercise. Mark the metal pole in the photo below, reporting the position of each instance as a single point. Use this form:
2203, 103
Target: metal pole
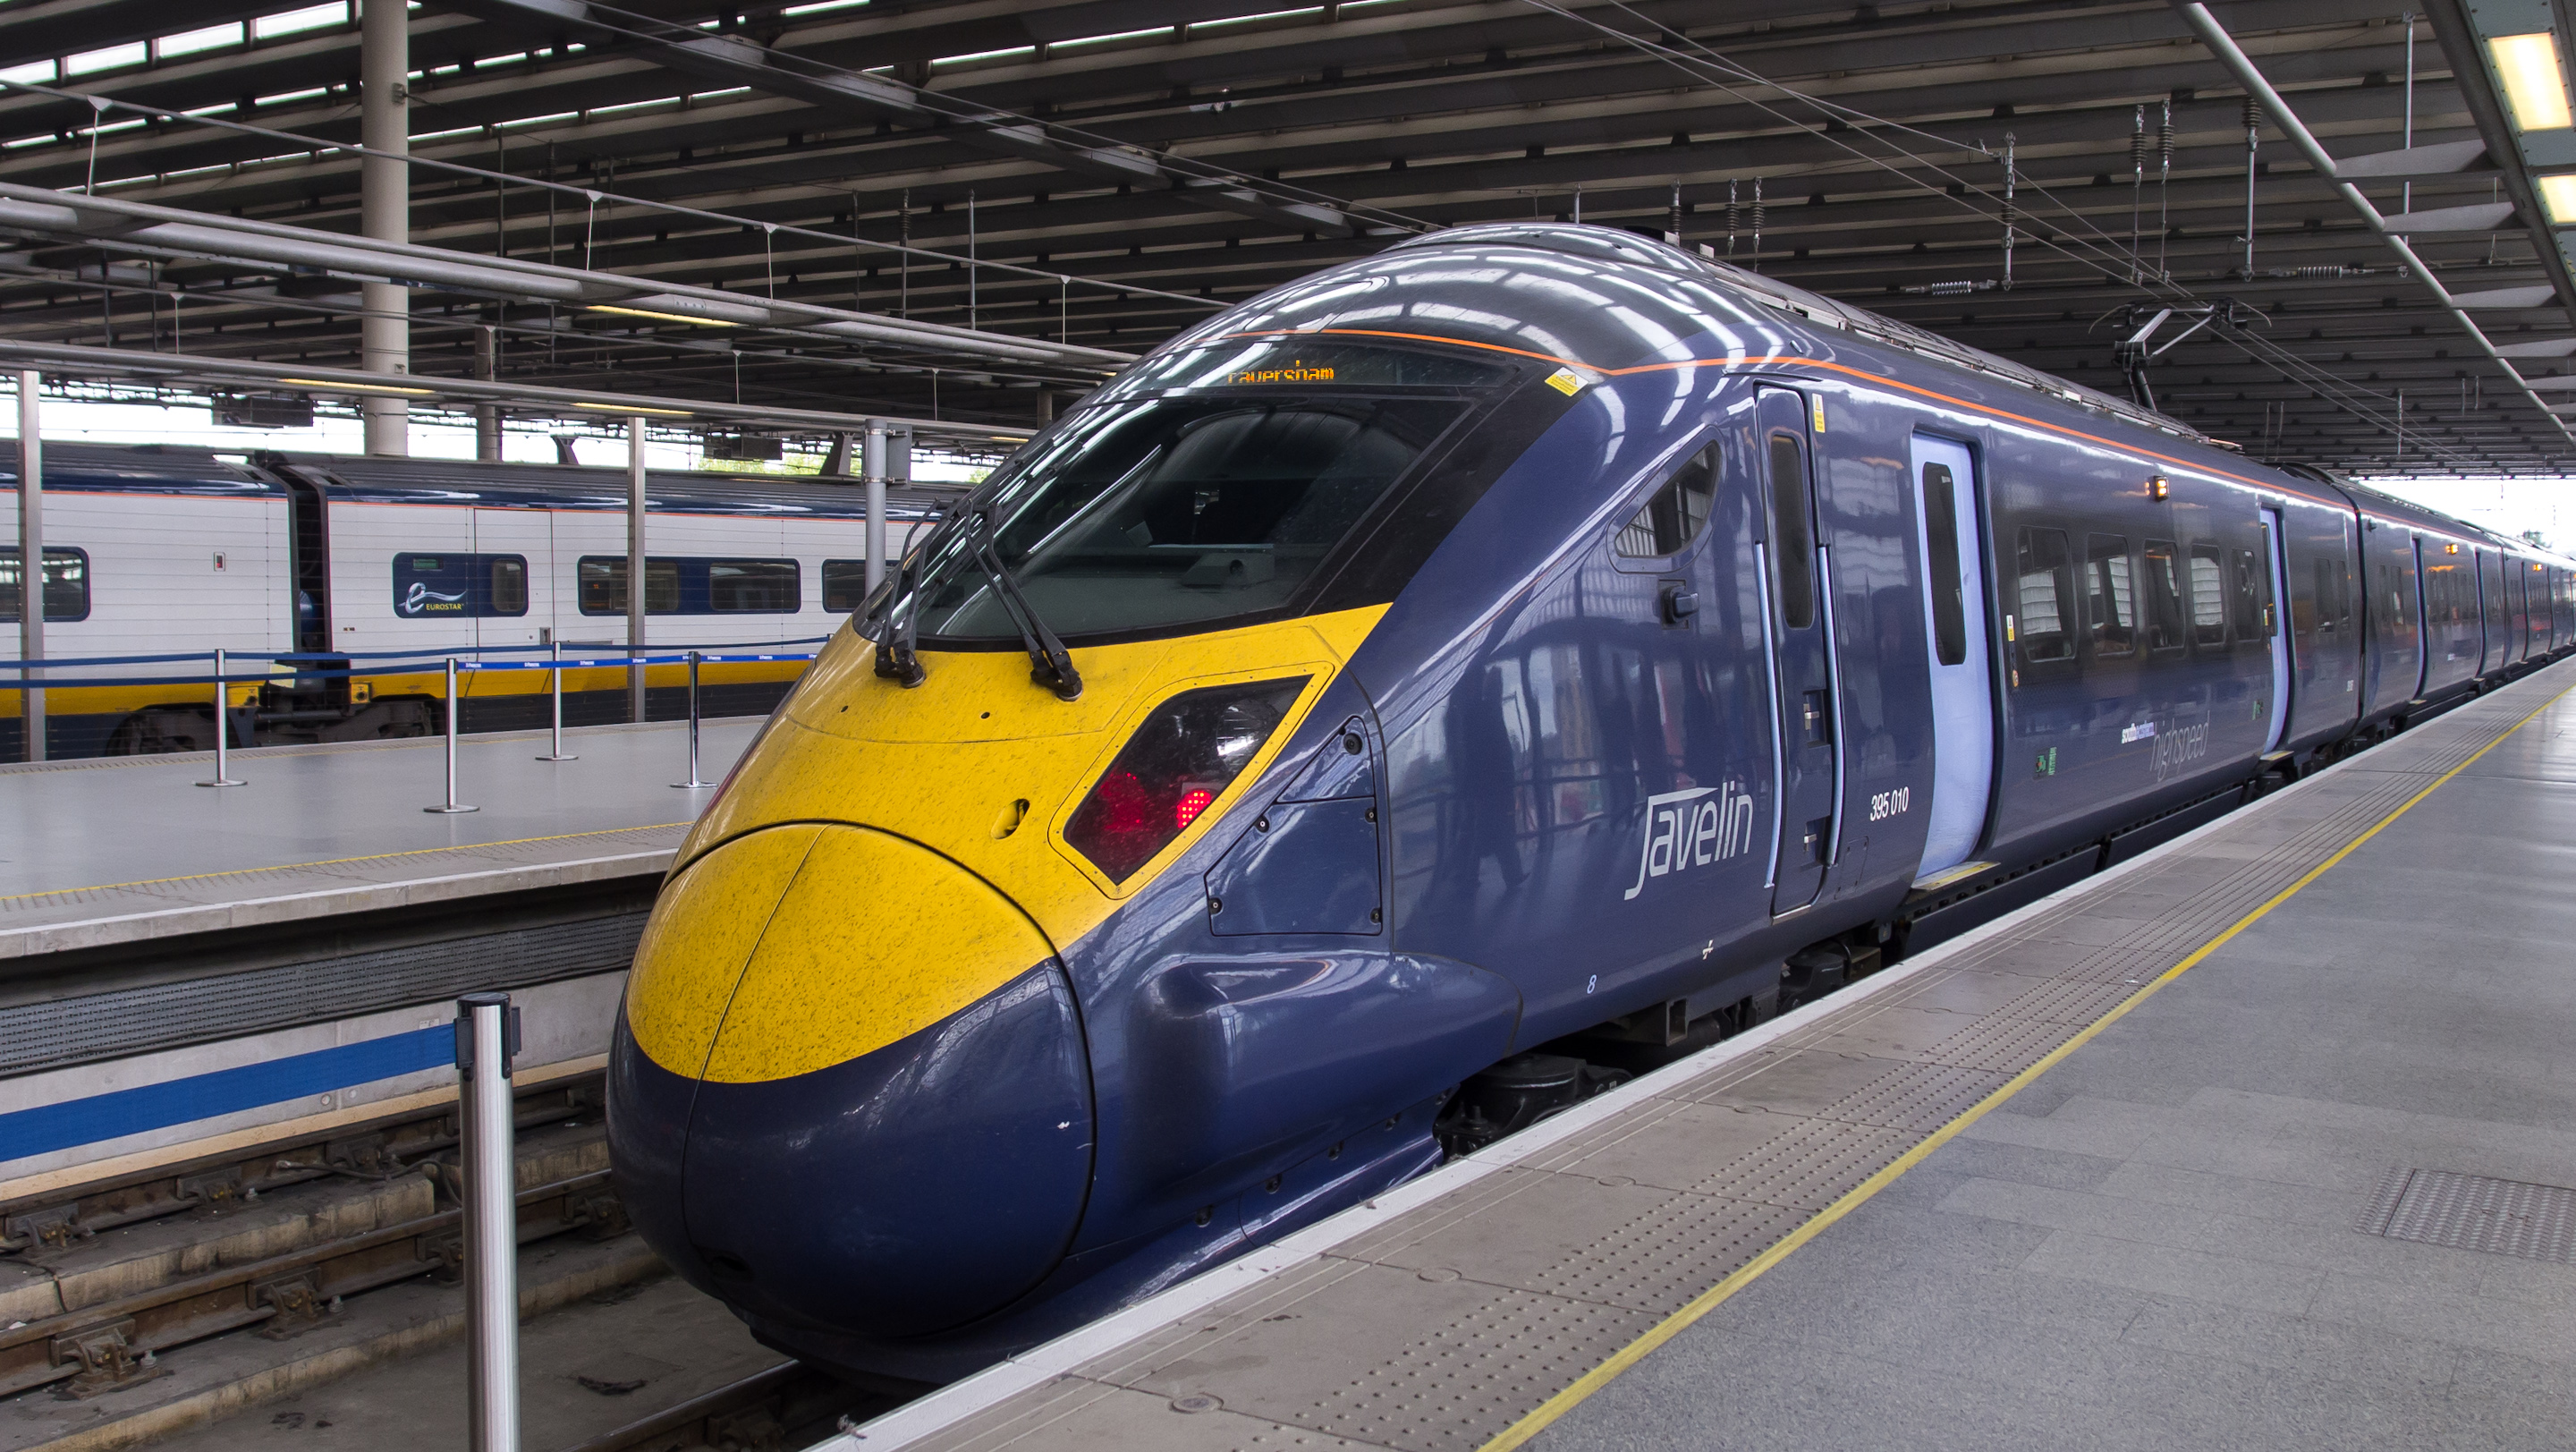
451, 808
223, 728
693, 783
554, 671
31, 560
635, 565
384, 209
487, 1034
487, 367
872, 472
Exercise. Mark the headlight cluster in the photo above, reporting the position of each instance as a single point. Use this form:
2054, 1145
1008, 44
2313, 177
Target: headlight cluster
1187, 752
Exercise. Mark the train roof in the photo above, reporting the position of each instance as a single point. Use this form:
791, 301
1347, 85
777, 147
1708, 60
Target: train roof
577, 486
1613, 300
139, 468
185, 469
2379, 501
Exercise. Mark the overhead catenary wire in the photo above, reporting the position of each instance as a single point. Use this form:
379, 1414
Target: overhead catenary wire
2261, 351
635, 26
320, 145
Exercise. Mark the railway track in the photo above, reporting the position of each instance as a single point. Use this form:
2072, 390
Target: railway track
158, 1299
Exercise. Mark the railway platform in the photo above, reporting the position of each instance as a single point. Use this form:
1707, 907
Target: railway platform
183, 967
2258, 1139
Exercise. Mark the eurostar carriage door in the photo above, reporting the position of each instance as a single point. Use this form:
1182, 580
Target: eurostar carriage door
513, 577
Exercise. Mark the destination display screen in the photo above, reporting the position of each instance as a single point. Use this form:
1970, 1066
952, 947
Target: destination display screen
1309, 362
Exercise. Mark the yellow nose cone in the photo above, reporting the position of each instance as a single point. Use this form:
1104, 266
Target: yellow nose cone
796, 948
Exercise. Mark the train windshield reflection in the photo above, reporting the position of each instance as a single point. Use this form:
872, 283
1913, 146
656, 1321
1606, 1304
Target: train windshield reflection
1219, 495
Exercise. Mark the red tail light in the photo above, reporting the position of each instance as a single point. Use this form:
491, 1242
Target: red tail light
1187, 752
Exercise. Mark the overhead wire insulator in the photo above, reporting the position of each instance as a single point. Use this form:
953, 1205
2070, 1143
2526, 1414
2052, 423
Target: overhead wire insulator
1758, 218
2011, 214
2137, 193
2164, 189
2253, 144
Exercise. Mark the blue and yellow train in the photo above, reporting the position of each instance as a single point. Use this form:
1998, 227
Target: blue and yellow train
1405, 700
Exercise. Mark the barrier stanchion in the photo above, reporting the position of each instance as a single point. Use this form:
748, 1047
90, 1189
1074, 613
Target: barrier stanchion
693, 784
487, 1039
555, 752
451, 807
223, 729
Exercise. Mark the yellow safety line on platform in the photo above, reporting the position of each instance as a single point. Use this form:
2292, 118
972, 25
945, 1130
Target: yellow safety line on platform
341, 861
1546, 1413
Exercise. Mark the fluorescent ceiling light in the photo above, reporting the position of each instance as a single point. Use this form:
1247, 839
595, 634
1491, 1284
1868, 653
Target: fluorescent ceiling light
329, 387
189, 42
131, 54
2535, 84
2558, 196
662, 317
311, 17
631, 408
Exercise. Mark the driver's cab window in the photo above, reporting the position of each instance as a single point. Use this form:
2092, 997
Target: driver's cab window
1675, 514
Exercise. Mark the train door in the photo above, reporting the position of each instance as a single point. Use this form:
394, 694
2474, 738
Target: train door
1963, 711
512, 553
2490, 615
2276, 626
1809, 752
309, 574
2423, 621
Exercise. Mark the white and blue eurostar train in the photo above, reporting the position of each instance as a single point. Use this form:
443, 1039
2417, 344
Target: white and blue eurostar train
1405, 699
353, 562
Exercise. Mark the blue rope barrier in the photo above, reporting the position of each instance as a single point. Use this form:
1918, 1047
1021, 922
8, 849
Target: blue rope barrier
567, 663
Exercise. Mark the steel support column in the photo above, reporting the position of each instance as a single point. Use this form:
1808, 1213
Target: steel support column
872, 474
384, 206
31, 556
635, 570
487, 416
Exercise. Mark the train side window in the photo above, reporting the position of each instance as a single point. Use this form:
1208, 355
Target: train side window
2164, 596
751, 587
2110, 595
66, 584
2044, 584
1941, 532
2333, 608
1793, 543
1674, 516
506, 585
845, 585
2208, 595
601, 585
2253, 589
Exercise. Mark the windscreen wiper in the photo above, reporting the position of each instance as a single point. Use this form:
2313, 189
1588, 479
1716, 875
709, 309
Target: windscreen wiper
901, 629
1050, 665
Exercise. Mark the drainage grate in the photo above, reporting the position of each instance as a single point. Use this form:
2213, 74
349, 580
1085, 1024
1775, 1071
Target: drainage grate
2473, 1212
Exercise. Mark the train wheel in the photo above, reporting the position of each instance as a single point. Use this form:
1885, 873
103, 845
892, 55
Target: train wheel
161, 730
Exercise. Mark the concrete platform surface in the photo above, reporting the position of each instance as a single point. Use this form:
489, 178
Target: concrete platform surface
2174, 1237
2015, 1192
105, 851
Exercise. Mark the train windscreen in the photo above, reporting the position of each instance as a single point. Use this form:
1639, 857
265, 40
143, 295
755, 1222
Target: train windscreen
1219, 496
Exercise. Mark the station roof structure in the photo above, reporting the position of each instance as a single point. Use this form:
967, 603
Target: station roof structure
2038, 178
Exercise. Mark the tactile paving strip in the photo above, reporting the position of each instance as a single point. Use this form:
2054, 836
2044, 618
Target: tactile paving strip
1838, 1100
